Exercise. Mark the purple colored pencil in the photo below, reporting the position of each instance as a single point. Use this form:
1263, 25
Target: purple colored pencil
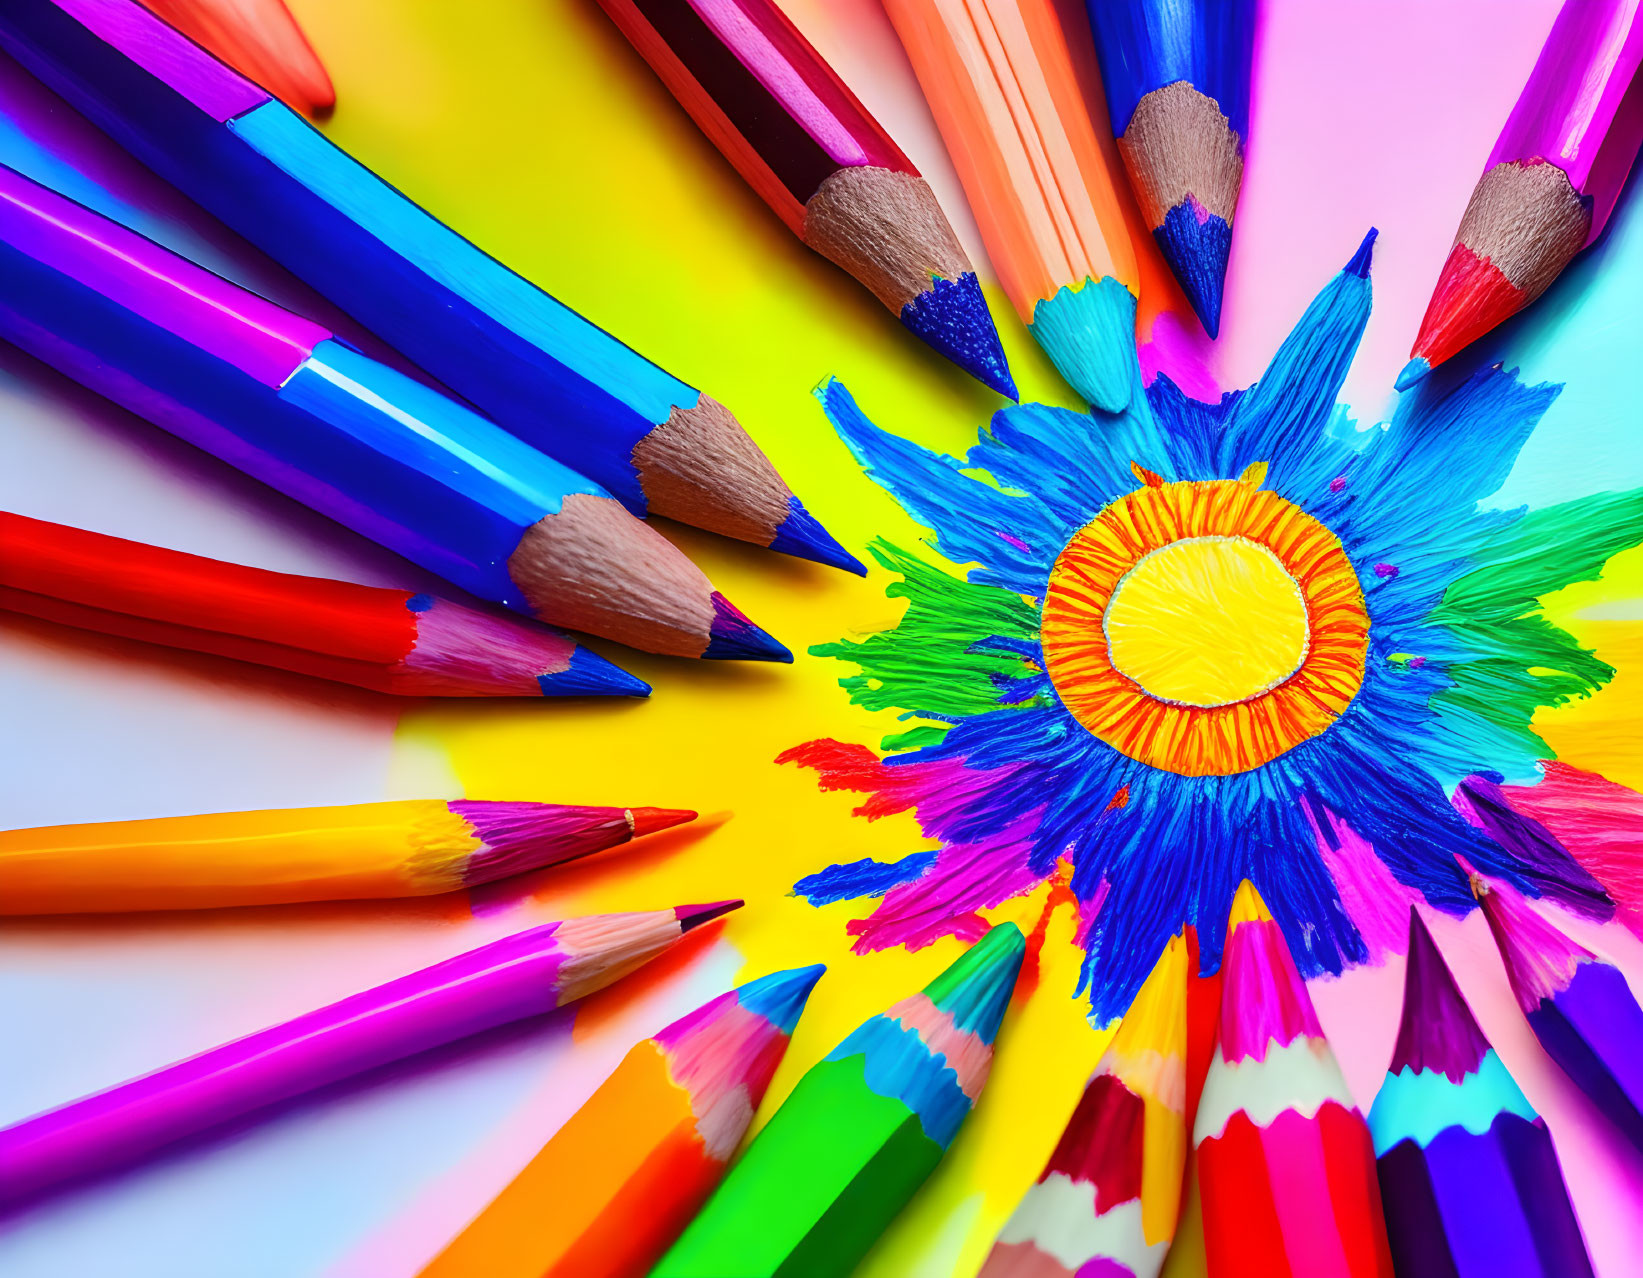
1580, 1007
1470, 1181
1551, 182
528, 974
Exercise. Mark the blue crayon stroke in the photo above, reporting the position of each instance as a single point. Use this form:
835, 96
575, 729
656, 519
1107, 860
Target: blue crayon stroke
861, 878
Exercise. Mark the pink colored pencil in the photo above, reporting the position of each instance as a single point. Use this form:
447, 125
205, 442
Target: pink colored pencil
528, 974
1550, 183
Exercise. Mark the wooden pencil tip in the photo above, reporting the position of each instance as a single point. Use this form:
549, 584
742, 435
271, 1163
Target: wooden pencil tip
693, 916
645, 821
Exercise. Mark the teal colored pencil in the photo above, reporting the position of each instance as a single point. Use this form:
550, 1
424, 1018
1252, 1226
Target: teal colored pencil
860, 1132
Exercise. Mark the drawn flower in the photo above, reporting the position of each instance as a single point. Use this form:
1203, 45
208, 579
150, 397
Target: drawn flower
1203, 642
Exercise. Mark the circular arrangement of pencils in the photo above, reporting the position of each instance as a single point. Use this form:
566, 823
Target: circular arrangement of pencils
547, 496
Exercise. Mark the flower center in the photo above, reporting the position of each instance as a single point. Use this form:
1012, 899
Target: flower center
1207, 621
1204, 627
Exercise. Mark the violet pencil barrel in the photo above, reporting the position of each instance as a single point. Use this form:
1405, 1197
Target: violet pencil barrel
508, 980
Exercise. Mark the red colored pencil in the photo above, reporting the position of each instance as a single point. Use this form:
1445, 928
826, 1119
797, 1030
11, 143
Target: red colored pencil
1284, 1158
372, 637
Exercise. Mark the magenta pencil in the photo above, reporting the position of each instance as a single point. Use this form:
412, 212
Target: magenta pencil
1551, 182
528, 974
1580, 1007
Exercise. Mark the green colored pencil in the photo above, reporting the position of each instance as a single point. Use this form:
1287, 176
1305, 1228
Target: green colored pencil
860, 1132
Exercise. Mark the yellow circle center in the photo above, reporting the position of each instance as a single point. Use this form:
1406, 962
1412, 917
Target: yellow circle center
1207, 621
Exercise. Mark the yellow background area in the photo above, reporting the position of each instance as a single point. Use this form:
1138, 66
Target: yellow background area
532, 128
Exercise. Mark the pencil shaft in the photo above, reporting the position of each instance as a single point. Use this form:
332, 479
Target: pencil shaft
261, 40
333, 618
527, 974
760, 92
1582, 106
532, 364
406, 848
355, 440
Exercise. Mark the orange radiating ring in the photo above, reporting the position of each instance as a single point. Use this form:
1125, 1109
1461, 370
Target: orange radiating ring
1203, 740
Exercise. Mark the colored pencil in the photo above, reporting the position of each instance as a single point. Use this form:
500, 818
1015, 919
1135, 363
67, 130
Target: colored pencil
362, 851
1468, 1175
287, 403
859, 1133
1285, 1163
534, 366
799, 137
1580, 1008
1549, 185
395, 641
1108, 1199
630, 1168
527, 974
259, 39
1176, 76
999, 79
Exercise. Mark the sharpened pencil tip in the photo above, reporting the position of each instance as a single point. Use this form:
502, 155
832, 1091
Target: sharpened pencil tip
645, 821
1196, 244
590, 675
692, 916
951, 317
801, 536
1414, 371
735, 638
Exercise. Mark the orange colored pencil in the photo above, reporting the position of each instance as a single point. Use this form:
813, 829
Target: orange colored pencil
607, 1195
259, 39
999, 78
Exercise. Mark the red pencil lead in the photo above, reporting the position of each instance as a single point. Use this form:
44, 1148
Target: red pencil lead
649, 820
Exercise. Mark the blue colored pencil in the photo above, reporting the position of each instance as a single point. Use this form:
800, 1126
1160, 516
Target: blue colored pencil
1176, 74
280, 398
537, 368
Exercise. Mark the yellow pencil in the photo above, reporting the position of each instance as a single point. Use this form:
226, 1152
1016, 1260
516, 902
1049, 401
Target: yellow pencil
414, 847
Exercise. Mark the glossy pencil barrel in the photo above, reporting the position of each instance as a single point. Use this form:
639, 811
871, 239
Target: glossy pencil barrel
270, 392
276, 396
542, 371
393, 641
362, 851
527, 974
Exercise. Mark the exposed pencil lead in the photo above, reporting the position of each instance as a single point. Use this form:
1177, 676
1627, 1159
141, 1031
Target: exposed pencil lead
693, 916
589, 674
803, 537
951, 317
649, 820
735, 638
